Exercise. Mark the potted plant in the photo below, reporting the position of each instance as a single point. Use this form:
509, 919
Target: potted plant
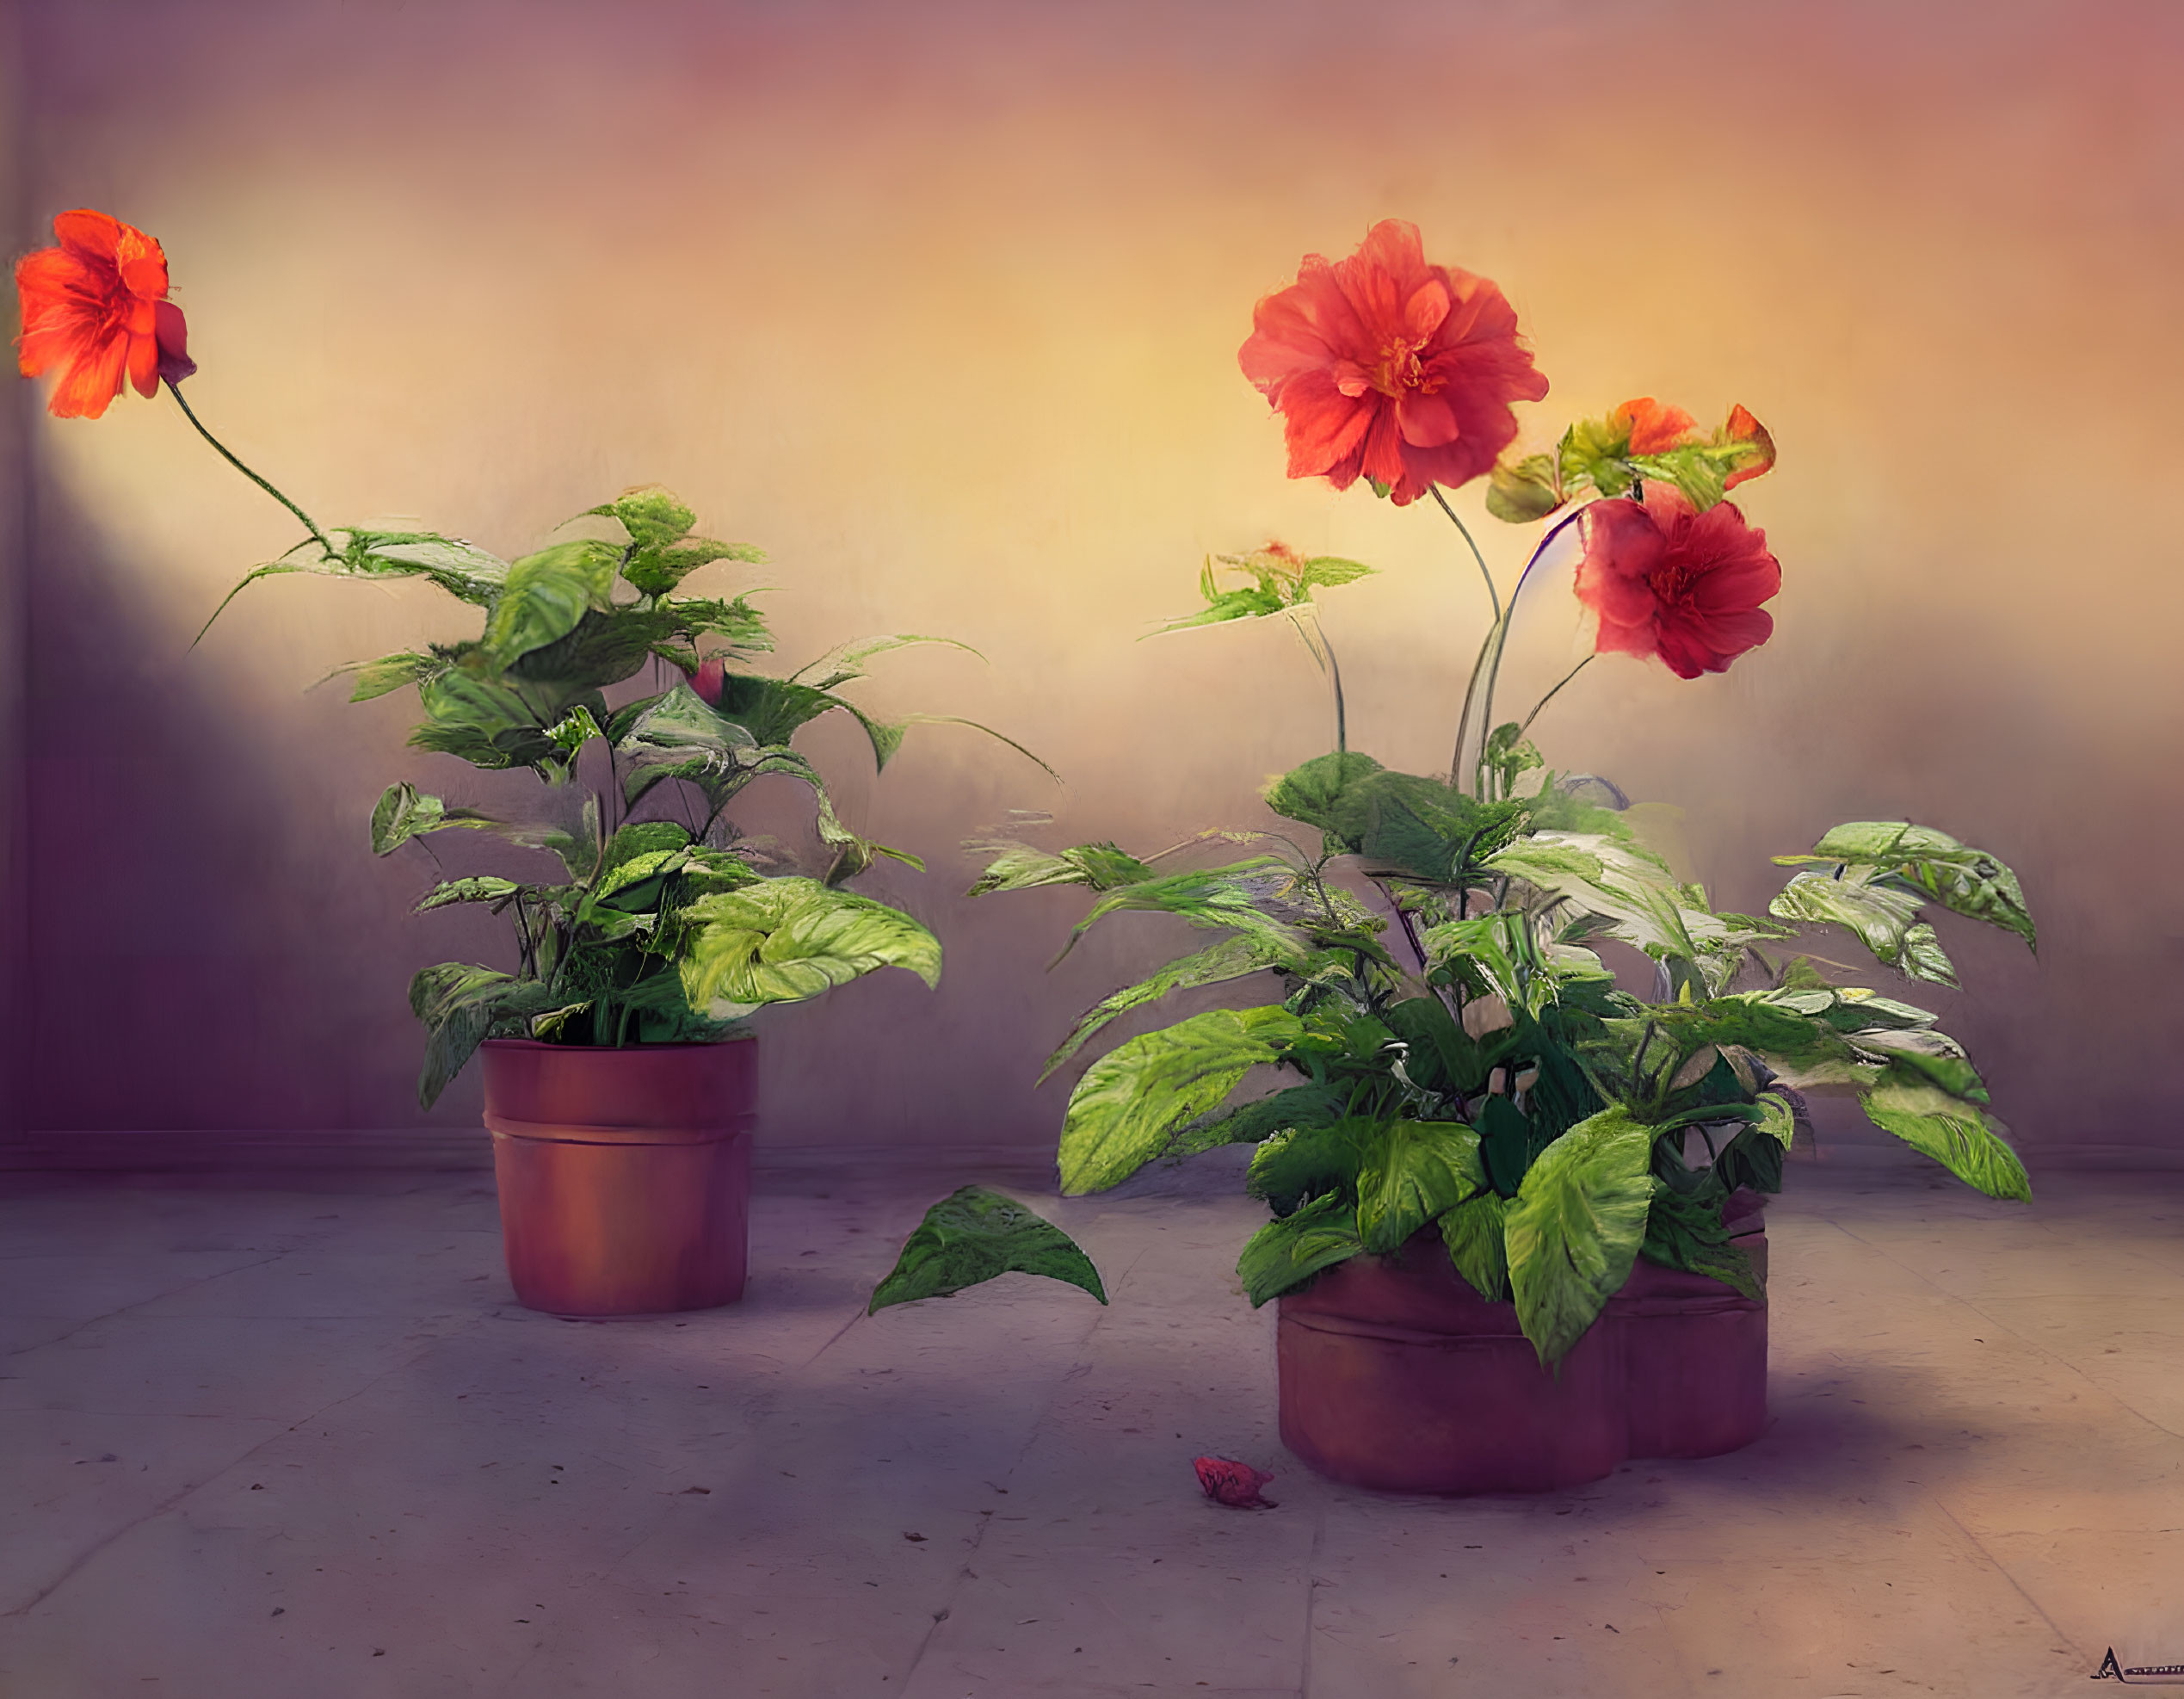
619, 1071
1515, 1227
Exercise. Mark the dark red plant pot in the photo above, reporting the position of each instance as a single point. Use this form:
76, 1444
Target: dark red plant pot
1394, 1374
624, 1175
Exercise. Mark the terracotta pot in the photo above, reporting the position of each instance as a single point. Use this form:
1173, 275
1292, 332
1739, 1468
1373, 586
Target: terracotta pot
1695, 1351
624, 1175
1394, 1375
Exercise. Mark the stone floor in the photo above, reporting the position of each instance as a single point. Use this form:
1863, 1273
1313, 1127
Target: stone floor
291, 1436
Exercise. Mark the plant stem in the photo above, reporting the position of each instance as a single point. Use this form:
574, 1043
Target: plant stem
1314, 638
227, 454
1550, 696
1493, 595
1500, 639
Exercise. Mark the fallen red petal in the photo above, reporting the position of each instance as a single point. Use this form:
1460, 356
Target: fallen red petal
1229, 1482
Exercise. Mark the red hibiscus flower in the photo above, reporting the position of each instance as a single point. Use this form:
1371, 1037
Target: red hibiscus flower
1389, 369
95, 312
1670, 581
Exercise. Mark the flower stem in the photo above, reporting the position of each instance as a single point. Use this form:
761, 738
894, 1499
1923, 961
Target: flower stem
1550, 696
1322, 650
226, 453
1500, 639
1492, 595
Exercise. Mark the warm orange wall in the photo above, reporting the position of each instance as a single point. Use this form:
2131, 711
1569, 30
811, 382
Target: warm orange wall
940, 304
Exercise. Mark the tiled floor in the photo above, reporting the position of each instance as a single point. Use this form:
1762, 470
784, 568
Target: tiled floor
282, 1438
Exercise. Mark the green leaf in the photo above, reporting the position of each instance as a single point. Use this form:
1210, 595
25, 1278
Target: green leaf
1591, 451
462, 569
1322, 571
1315, 793
1933, 865
1686, 1233
1778, 1121
845, 661
1413, 1172
657, 567
459, 1003
783, 939
603, 648
649, 514
1285, 1253
743, 625
1504, 1143
1576, 1226
1924, 1052
1401, 822
1955, 1133
1628, 889
1258, 898
1521, 493
1296, 1165
1018, 867
971, 1236
481, 888
547, 594
387, 674
1884, 917
482, 721
404, 812
1475, 1234
773, 709
1130, 1101
681, 737
1291, 1109
1441, 1057
1230, 959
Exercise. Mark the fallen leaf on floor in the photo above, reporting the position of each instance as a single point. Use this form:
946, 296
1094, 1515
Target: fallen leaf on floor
1229, 1482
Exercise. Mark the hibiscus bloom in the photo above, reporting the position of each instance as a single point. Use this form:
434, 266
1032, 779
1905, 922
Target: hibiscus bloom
1670, 581
1387, 367
95, 312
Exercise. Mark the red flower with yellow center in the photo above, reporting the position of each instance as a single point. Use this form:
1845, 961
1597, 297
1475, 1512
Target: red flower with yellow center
1668, 580
96, 313
1387, 367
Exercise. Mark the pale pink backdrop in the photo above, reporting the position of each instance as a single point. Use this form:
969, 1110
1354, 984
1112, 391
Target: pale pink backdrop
941, 305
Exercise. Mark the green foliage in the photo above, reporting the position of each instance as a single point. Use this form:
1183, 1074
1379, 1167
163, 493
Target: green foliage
660, 932
1928, 865
1956, 1134
1278, 581
1130, 1101
1475, 1234
1884, 917
973, 1235
1290, 1249
1400, 822
1018, 867
1576, 1227
1415, 1171
1686, 1231
784, 940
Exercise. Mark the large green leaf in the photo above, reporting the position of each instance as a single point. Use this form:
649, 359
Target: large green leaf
1018, 867
1440, 1056
1129, 1101
1401, 823
483, 721
971, 1236
479, 888
1413, 1172
1291, 1108
1882, 915
459, 1003
1230, 959
1475, 1234
1627, 889
682, 737
1686, 1233
1955, 1133
1574, 1227
1263, 898
1293, 1167
404, 812
545, 595
1930, 864
603, 648
1285, 1253
783, 939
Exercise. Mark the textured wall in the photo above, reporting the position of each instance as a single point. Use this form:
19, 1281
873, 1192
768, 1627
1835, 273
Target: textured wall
940, 304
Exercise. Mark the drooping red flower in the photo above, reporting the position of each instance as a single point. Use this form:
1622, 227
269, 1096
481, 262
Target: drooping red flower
1670, 581
710, 680
95, 312
1385, 368
1235, 1485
